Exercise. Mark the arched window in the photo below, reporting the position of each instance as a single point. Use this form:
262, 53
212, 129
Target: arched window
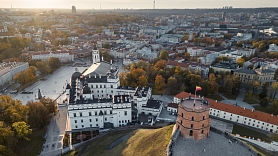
192, 118
203, 117
191, 125
191, 133
202, 131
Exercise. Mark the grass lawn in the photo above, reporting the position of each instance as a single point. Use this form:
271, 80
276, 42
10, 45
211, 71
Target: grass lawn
34, 145
263, 109
243, 131
250, 100
154, 142
215, 97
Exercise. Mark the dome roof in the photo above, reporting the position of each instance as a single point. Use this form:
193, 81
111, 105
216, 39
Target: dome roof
75, 75
86, 90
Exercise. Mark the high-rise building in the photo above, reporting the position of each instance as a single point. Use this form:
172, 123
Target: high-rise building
73, 9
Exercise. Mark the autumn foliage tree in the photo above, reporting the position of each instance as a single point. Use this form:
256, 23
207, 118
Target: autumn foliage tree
159, 82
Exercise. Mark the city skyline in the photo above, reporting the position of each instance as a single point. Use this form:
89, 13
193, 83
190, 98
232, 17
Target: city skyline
136, 4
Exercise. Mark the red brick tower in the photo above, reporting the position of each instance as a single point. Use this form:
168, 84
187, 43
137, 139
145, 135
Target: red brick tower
193, 118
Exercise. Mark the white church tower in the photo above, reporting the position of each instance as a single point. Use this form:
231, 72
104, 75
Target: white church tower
95, 55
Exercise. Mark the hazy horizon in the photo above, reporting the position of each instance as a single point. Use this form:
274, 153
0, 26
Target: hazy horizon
136, 4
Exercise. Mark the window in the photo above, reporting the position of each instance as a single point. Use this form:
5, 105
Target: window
210, 113
192, 118
125, 112
75, 121
100, 86
76, 126
203, 117
90, 125
111, 112
96, 119
128, 121
82, 126
249, 119
120, 121
125, 121
90, 114
253, 124
92, 86
96, 86
98, 91
104, 86
191, 125
202, 132
111, 86
102, 92
97, 125
203, 125
263, 123
213, 113
105, 112
230, 118
95, 112
231, 114
90, 120
80, 114
237, 116
105, 119
111, 91
81, 120
254, 121
244, 118
266, 124
181, 114
74, 114
223, 116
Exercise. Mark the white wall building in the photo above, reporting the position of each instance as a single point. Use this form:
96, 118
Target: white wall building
273, 48
9, 70
63, 56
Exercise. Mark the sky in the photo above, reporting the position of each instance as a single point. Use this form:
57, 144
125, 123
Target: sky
137, 4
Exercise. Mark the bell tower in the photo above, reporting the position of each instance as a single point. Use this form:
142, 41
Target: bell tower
95, 55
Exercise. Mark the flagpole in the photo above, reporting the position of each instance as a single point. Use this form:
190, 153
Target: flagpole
195, 96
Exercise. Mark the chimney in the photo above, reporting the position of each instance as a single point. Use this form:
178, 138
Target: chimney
89, 75
243, 108
216, 101
252, 110
95, 75
99, 76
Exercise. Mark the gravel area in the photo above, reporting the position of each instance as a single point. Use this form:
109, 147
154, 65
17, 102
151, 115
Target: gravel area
214, 145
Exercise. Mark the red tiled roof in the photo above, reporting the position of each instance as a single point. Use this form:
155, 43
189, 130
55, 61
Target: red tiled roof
265, 117
261, 116
173, 105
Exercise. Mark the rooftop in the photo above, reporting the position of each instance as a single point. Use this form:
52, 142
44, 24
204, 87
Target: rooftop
198, 104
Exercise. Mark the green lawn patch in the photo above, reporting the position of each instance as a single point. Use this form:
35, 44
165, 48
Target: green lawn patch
244, 131
214, 97
263, 109
33, 146
250, 100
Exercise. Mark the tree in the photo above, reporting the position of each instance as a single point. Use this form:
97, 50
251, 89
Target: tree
274, 107
6, 151
159, 82
275, 88
54, 63
43, 68
172, 84
164, 55
240, 62
263, 93
256, 85
38, 115
187, 55
22, 130
142, 81
160, 65
50, 104
262, 46
13, 110
264, 102
228, 85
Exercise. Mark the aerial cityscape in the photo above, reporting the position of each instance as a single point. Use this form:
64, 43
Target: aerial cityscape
147, 78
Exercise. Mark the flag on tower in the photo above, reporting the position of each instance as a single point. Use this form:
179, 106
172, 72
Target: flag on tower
198, 88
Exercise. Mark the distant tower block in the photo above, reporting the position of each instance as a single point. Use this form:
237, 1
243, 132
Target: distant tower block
193, 119
73, 9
